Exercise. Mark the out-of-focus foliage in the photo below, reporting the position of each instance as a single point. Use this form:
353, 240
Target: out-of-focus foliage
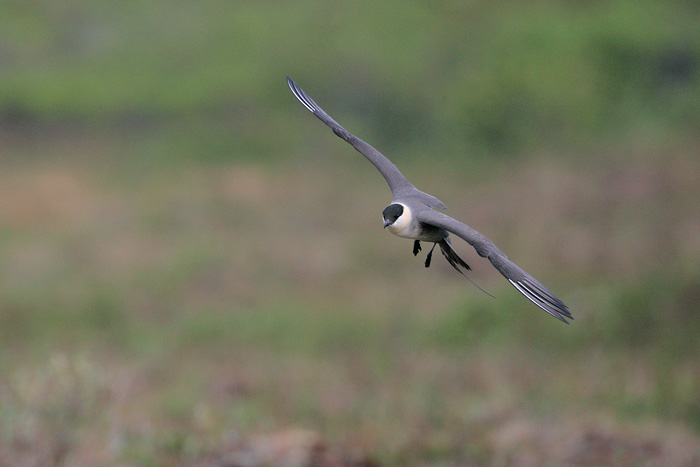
192, 267
499, 76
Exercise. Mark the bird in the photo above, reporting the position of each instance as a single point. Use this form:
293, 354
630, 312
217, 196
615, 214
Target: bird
416, 215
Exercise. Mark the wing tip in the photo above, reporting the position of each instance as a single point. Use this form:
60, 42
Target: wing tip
543, 299
301, 96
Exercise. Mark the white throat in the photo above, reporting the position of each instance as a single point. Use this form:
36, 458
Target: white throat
402, 224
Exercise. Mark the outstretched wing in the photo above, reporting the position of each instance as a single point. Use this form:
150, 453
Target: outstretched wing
397, 182
521, 280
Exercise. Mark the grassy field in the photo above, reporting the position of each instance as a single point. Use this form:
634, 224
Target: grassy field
254, 314
193, 269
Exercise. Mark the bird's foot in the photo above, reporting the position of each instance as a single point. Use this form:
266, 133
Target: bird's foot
430, 256
416, 247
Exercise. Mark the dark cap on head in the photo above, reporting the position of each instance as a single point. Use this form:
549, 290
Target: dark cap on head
391, 213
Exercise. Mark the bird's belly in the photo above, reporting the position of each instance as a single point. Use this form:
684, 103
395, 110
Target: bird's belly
405, 234
424, 233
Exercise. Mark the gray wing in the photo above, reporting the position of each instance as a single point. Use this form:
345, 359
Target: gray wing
397, 182
521, 280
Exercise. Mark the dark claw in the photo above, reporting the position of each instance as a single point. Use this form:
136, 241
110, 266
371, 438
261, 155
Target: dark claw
416, 247
430, 256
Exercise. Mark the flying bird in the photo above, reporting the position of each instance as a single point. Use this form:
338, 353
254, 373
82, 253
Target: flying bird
413, 214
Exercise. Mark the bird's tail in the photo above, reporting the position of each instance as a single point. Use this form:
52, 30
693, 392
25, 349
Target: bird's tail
455, 261
451, 256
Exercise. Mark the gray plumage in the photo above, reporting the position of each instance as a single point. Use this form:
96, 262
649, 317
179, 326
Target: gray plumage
412, 214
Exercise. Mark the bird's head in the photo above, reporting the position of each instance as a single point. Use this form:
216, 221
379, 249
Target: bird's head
397, 217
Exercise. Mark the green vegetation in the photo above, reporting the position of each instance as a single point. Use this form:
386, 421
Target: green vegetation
192, 269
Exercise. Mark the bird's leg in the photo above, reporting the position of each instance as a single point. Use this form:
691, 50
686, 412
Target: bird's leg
430, 256
416, 247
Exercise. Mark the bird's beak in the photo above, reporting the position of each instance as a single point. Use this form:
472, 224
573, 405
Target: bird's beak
386, 223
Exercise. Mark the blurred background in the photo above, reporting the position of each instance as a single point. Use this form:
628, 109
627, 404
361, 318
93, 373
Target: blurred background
193, 269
